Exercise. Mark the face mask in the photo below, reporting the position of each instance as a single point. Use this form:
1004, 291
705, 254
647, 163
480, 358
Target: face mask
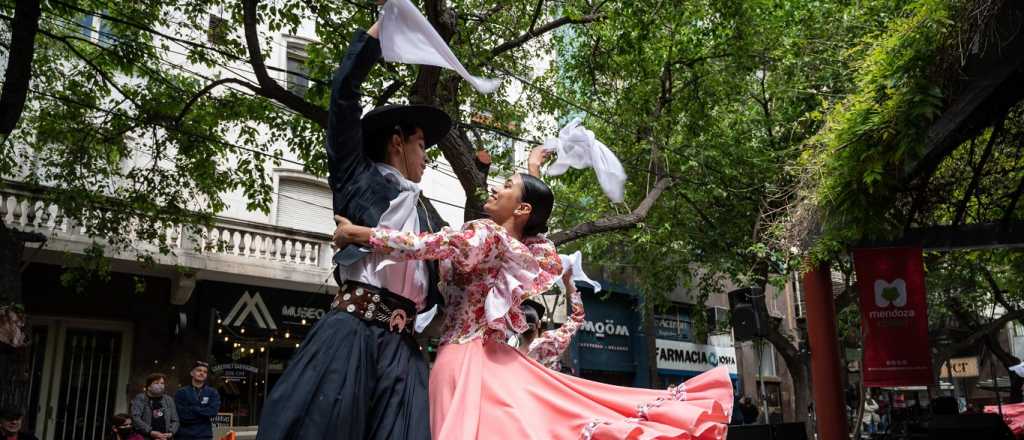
124, 432
156, 389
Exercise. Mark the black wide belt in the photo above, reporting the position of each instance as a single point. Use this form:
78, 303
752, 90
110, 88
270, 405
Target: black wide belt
377, 305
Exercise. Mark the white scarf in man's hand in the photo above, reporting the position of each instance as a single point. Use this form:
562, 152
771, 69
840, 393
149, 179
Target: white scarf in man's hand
407, 37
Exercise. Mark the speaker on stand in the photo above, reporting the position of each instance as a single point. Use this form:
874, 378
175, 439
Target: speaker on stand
749, 315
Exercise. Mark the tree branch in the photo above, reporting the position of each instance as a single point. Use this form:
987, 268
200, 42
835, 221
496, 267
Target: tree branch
536, 14
205, 90
544, 28
997, 293
615, 222
972, 187
66, 41
1014, 199
268, 87
972, 339
388, 93
19, 63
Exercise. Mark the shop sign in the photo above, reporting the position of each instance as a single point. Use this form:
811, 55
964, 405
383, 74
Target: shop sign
687, 356
604, 338
264, 308
223, 420
961, 367
671, 327
234, 371
608, 327
894, 317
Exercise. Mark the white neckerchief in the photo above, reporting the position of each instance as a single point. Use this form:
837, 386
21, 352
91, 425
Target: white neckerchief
406, 278
407, 37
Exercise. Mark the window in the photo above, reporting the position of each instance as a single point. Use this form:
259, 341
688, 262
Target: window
298, 73
304, 205
767, 353
718, 319
217, 30
97, 29
798, 296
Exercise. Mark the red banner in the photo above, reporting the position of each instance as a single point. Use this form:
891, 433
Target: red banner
894, 317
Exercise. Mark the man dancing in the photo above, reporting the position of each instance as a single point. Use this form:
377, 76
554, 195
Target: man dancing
359, 374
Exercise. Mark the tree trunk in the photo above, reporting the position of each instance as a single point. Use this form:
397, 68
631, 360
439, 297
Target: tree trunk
1008, 360
652, 345
19, 64
797, 373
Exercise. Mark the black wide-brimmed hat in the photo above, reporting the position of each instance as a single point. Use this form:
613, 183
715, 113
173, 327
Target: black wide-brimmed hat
536, 306
434, 122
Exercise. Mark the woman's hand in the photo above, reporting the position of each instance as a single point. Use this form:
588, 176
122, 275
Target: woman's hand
537, 157
570, 286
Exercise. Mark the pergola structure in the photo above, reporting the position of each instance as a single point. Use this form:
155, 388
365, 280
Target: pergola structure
963, 191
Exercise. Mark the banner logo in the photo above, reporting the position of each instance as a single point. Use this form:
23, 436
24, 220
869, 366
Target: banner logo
251, 305
894, 293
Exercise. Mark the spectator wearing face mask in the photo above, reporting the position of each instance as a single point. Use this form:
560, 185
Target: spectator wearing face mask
10, 425
153, 412
121, 424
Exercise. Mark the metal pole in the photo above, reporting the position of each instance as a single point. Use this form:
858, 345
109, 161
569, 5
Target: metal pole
824, 344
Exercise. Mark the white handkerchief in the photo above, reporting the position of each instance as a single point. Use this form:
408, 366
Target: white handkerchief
407, 37
575, 262
577, 147
1018, 369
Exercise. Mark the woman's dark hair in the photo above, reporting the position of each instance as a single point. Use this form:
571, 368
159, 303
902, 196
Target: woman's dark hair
540, 197
381, 138
119, 419
153, 378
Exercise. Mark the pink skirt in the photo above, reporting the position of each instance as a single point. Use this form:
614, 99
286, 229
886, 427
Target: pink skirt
489, 390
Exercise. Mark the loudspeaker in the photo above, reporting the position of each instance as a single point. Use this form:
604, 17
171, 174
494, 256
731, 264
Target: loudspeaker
749, 432
749, 314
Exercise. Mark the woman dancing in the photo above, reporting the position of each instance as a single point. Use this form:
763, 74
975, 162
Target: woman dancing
482, 388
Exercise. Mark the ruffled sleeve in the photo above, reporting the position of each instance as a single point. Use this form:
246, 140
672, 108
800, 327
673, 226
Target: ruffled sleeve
548, 347
527, 269
465, 248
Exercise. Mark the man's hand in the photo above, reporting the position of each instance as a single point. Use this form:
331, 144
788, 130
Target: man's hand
341, 239
537, 157
375, 29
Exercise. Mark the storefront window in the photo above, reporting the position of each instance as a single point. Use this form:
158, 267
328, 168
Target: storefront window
254, 332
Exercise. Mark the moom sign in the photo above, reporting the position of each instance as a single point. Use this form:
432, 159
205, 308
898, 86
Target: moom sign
687, 356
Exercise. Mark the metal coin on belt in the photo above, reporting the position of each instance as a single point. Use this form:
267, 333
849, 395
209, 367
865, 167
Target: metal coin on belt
351, 308
347, 296
376, 298
371, 307
368, 314
359, 291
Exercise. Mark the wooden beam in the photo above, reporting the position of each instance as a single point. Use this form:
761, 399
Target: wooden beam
949, 238
993, 82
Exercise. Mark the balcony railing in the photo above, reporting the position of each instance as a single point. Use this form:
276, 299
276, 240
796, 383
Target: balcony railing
246, 246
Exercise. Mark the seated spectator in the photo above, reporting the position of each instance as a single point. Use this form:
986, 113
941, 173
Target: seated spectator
10, 425
121, 424
153, 412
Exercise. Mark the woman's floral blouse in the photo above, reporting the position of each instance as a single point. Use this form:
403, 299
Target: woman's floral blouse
485, 274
